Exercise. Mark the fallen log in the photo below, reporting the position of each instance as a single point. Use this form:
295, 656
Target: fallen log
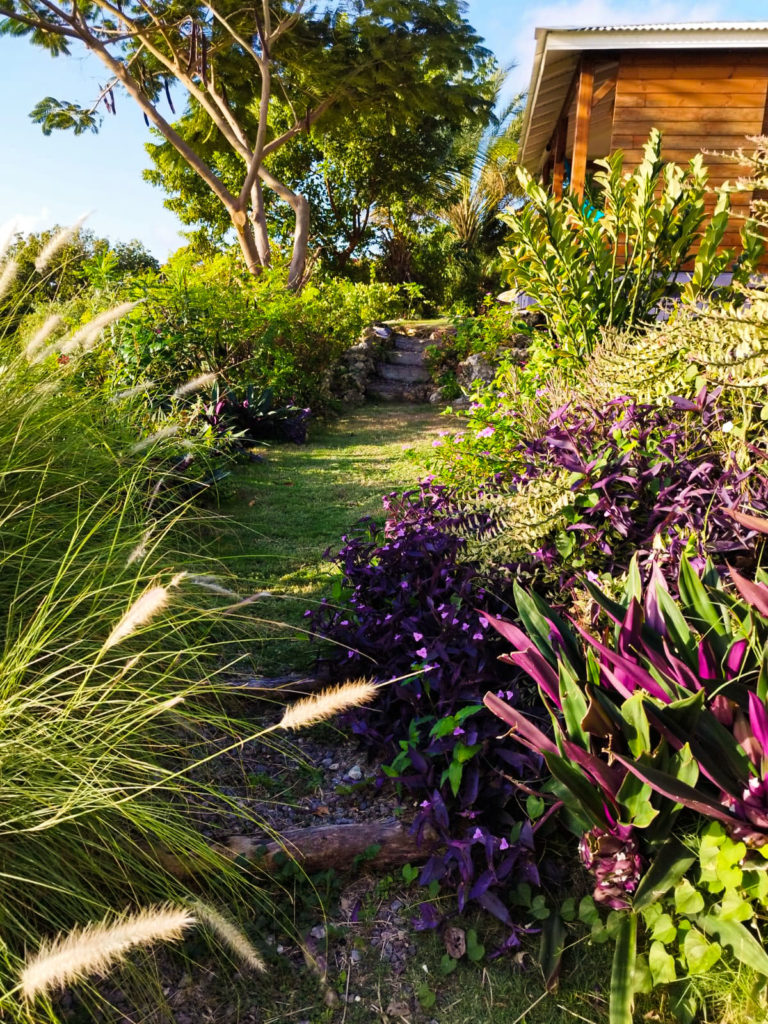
381, 844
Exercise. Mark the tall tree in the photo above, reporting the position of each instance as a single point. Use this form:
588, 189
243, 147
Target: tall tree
347, 173
471, 199
331, 62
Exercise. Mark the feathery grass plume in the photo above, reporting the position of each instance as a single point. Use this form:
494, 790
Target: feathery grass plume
8, 276
139, 553
86, 336
8, 236
137, 389
59, 240
147, 442
229, 934
167, 705
97, 948
41, 335
144, 608
205, 380
321, 706
210, 583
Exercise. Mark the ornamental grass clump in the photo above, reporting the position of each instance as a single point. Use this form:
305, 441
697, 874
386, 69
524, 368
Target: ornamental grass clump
112, 671
99, 672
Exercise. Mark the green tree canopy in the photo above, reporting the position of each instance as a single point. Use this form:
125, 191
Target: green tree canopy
80, 260
346, 176
260, 76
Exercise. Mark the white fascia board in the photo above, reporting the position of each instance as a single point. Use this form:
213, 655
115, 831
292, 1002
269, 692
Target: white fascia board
533, 88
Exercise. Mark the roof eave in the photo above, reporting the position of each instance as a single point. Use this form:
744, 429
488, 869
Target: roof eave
669, 37
533, 90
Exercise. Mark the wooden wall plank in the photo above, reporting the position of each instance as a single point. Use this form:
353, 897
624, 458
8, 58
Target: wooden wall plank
633, 156
680, 72
740, 103
583, 117
691, 59
693, 94
698, 100
692, 125
685, 144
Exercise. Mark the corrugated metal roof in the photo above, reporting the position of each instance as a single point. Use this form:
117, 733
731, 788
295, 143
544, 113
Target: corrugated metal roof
677, 26
558, 49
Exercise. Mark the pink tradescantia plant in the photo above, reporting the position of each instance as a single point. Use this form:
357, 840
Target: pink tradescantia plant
668, 710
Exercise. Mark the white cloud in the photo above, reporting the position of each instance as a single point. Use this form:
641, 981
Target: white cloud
23, 223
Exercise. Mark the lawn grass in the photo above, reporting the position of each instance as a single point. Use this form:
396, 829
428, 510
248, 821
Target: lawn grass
283, 513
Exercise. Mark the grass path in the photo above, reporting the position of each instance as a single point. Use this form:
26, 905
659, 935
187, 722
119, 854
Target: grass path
281, 516
285, 512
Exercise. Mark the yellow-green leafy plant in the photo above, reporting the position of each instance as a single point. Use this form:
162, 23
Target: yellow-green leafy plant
722, 341
610, 262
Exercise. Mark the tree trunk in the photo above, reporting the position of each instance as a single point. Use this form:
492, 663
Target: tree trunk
300, 207
300, 244
259, 219
247, 240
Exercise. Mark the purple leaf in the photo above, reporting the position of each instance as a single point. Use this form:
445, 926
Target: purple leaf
707, 663
735, 659
677, 791
750, 522
538, 668
755, 594
758, 719
522, 729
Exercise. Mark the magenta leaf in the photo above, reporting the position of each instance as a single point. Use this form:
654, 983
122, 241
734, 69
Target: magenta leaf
758, 719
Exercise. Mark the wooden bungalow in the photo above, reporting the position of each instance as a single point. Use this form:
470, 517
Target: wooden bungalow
596, 90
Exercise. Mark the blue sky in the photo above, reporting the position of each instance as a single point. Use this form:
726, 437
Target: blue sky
55, 180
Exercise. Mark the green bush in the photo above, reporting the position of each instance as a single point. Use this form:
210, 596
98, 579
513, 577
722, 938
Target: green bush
65, 264
201, 317
495, 332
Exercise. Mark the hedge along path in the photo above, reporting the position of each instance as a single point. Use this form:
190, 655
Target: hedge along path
285, 512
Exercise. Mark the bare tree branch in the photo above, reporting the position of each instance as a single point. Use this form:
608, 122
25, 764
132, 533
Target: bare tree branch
235, 35
40, 23
228, 126
287, 23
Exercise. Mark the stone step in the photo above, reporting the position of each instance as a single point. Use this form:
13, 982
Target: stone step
407, 374
404, 357
388, 391
405, 344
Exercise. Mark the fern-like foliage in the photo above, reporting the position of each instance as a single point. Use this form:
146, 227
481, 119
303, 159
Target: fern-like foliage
517, 520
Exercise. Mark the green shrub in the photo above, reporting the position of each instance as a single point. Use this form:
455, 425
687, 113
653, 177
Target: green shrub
495, 332
200, 317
